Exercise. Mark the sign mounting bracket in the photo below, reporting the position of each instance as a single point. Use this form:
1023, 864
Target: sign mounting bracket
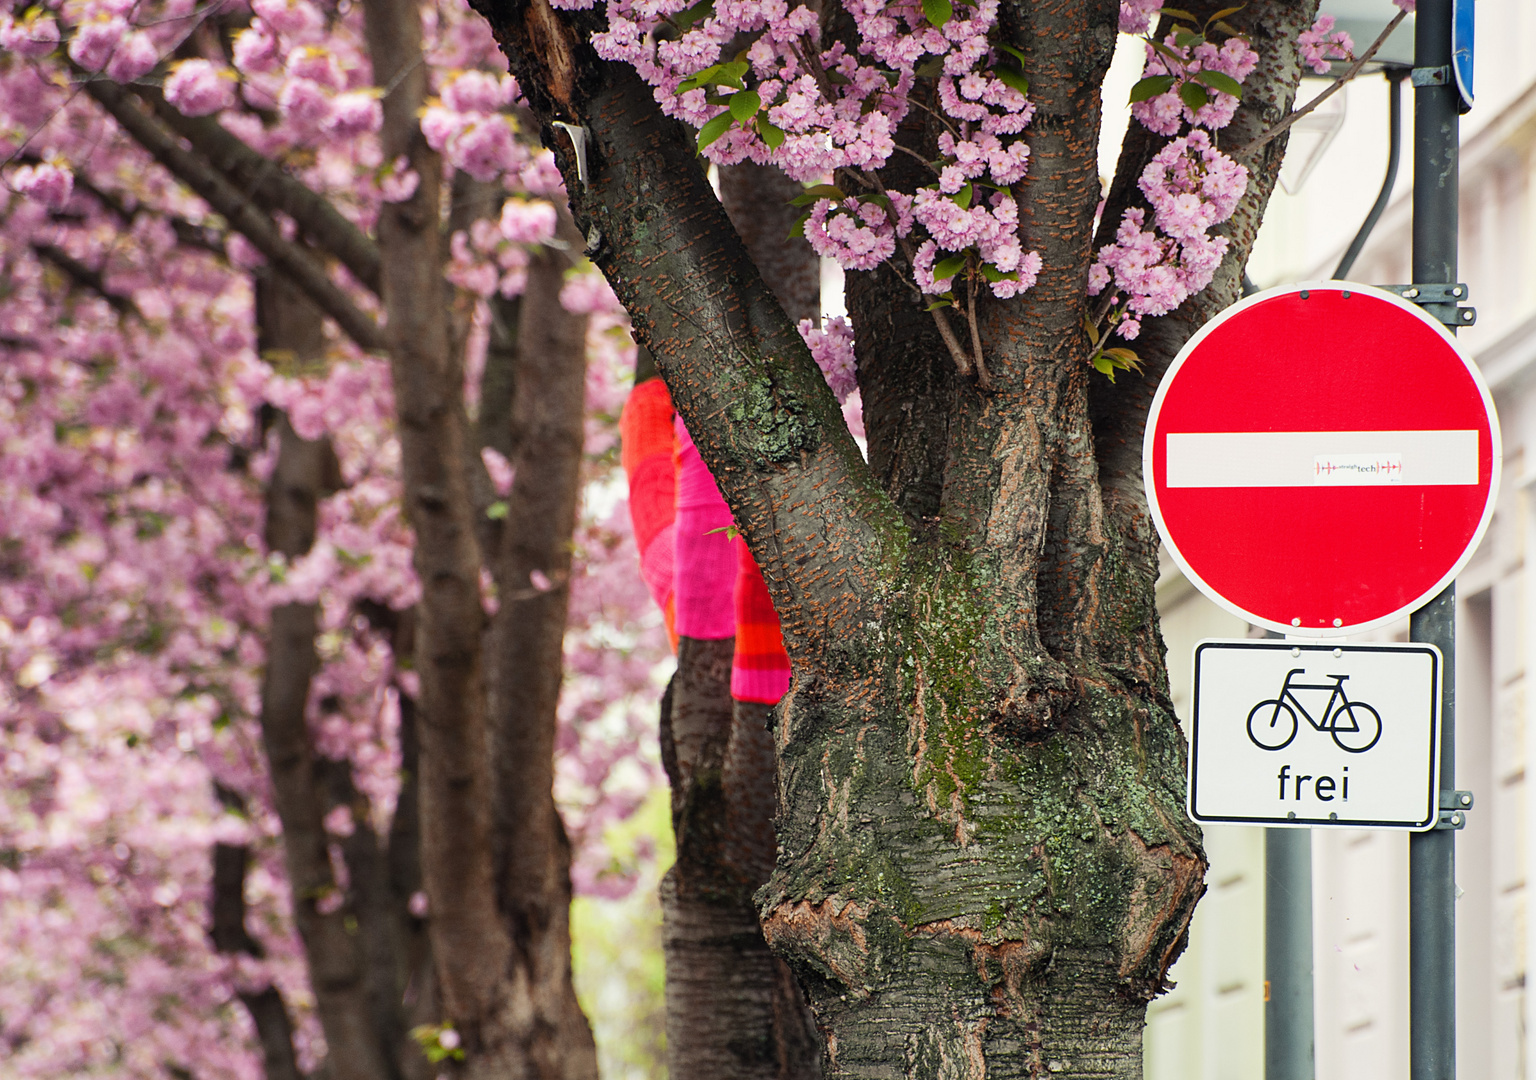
1439, 302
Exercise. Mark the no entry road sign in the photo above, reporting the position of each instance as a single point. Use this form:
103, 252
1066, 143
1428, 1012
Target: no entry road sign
1292, 734
1322, 458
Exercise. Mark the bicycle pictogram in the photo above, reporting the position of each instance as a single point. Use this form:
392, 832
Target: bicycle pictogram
1353, 725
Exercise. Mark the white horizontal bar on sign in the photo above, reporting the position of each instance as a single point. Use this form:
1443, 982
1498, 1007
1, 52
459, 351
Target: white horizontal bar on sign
1240, 459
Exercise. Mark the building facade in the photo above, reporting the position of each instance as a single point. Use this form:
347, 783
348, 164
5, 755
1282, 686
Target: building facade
1210, 1027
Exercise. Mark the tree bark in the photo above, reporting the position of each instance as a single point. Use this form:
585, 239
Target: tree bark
325, 918
274, 1031
543, 407
733, 1008
471, 948
984, 865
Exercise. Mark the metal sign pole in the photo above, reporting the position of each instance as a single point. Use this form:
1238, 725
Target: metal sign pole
1288, 1039
1432, 854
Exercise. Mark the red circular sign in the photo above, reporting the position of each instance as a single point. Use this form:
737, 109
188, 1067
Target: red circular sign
1322, 458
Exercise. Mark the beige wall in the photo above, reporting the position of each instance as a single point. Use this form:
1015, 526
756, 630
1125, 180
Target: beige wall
1211, 1026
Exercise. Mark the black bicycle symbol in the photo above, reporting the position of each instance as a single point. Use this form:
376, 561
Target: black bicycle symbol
1354, 725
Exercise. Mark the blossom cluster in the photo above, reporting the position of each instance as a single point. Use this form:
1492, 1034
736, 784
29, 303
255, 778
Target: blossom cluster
1167, 112
1190, 186
818, 110
1322, 44
135, 584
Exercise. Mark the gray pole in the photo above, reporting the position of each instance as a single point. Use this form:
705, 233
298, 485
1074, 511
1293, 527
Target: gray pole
1432, 855
1288, 1041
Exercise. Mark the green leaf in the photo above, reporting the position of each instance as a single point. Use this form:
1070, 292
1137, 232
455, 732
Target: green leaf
1012, 79
820, 191
993, 274
772, 135
1227, 28
731, 531
1151, 87
684, 20
938, 12
1124, 359
1185, 38
1092, 331
698, 79
949, 267
744, 105
1178, 13
942, 302
1105, 365
713, 129
930, 69
497, 510
962, 198
1194, 95
1163, 50
1216, 80
1223, 13
798, 228
1011, 51
731, 73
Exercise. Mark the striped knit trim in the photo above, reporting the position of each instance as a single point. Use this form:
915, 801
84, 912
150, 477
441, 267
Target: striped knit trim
760, 668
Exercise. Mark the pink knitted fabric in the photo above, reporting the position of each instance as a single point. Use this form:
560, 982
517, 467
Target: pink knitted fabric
706, 564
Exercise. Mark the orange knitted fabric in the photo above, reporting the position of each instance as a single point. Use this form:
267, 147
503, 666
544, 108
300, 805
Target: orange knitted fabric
648, 454
760, 668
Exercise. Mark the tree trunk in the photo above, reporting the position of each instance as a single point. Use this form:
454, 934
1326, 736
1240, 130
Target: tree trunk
508, 995
544, 432
326, 918
733, 1008
470, 945
269, 1015
757, 200
984, 864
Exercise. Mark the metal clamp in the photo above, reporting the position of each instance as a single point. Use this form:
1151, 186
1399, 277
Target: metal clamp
1453, 809
1439, 302
1431, 76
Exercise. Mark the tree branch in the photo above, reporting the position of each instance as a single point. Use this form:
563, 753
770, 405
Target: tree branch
1333, 88
765, 422
86, 278
294, 262
266, 184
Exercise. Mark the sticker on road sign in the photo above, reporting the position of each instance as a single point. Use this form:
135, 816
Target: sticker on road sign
1289, 734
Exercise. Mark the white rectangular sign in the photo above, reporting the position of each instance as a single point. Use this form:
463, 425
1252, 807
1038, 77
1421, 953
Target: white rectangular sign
1243, 459
1285, 733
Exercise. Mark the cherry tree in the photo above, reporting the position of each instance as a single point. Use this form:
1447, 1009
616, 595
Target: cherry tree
983, 863
228, 680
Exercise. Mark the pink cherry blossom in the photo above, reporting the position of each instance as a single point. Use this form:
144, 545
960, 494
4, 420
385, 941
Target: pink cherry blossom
49, 183
352, 114
134, 56
95, 41
832, 348
200, 87
1322, 44
32, 37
